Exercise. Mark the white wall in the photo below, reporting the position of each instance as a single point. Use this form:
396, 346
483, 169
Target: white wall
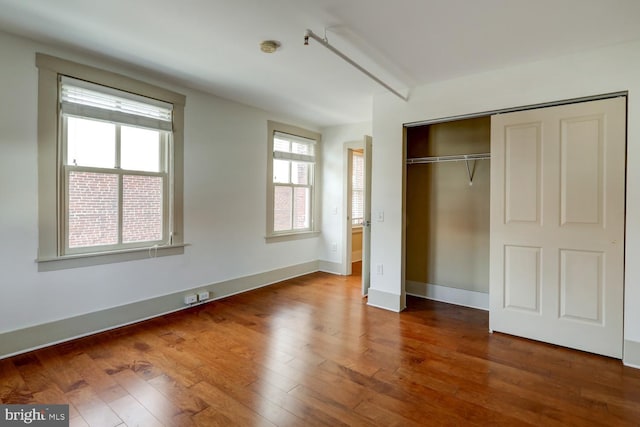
600, 71
334, 213
224, 204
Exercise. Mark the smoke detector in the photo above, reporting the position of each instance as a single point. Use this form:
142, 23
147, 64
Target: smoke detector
269, 46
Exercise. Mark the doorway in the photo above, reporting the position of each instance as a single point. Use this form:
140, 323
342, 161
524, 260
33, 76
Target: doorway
357, 202
447, 211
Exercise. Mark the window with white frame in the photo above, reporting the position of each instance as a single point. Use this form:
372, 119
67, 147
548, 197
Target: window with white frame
116, 152
109, 164
293, 174
357, 187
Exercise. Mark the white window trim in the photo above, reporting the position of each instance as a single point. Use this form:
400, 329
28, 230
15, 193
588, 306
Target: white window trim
50, 224
271, 236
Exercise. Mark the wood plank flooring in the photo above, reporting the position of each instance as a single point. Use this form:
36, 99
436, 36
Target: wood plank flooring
310, 352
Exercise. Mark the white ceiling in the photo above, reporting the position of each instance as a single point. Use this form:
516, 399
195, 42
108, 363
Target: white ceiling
212, 45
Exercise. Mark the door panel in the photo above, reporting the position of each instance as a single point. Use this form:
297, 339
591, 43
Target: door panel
557, 225
581, 143
522, 172
581, 286
522, 278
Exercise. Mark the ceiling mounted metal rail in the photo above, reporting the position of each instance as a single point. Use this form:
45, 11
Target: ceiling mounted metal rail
325, 43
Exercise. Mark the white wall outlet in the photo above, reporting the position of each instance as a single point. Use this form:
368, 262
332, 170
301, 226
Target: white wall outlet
379, 270
202, 296
190, 299
380, 216
334, 247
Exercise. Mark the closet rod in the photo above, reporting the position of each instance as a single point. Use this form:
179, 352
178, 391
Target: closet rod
454, 158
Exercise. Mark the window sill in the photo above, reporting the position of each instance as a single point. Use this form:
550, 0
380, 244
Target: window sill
292, 236
91, 259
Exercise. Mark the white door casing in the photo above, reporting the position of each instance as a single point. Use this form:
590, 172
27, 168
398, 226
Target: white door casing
557, 225
366, 227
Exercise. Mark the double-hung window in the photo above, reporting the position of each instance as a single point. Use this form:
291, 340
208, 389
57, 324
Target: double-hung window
292, 181
110, 166
116, 152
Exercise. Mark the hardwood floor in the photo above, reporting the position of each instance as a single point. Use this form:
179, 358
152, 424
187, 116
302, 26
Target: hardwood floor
309, 351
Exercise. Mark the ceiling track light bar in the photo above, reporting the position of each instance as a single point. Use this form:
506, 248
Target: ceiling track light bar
326, 44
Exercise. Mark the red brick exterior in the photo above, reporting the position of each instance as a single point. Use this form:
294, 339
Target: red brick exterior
141, 208
93, 209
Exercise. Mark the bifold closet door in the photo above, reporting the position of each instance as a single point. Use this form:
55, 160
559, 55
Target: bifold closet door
557, 225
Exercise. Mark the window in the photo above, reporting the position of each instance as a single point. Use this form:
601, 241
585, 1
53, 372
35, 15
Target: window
116, 153
357, 187
110, 166
292, 177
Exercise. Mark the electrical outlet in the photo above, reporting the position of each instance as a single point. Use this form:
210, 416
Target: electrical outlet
380, 216
190, 299
202, 296
334, 247
379, 270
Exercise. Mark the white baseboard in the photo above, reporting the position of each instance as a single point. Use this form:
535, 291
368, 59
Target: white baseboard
46, 334
331, 267
631, 357
449, 295
385, 300
356, 256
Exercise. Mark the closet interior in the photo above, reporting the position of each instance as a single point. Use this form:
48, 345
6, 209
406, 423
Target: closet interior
447, 206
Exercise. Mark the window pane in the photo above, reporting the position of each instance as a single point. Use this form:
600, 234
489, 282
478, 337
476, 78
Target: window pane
357, 188
93, 209
300, 173
357, 206
301, 208
282, 215
91, 143
299, 148
281, 145
140, 149
141, 208
281, 171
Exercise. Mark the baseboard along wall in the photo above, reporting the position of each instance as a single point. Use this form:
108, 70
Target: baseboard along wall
34, 337
449, 295
631, 354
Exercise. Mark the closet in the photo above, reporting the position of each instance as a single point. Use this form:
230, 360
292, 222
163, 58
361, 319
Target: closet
447, 210
553, 197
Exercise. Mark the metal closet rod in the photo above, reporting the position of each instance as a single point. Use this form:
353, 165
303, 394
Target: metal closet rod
454, 158
326, 44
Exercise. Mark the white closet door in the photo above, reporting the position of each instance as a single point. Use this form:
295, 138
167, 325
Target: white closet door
557, 225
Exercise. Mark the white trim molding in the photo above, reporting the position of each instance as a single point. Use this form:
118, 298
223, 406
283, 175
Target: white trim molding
385, 300
473, 299
331, 267
631, 356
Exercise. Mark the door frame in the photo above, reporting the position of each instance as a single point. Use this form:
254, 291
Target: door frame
346, 222
348, 227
